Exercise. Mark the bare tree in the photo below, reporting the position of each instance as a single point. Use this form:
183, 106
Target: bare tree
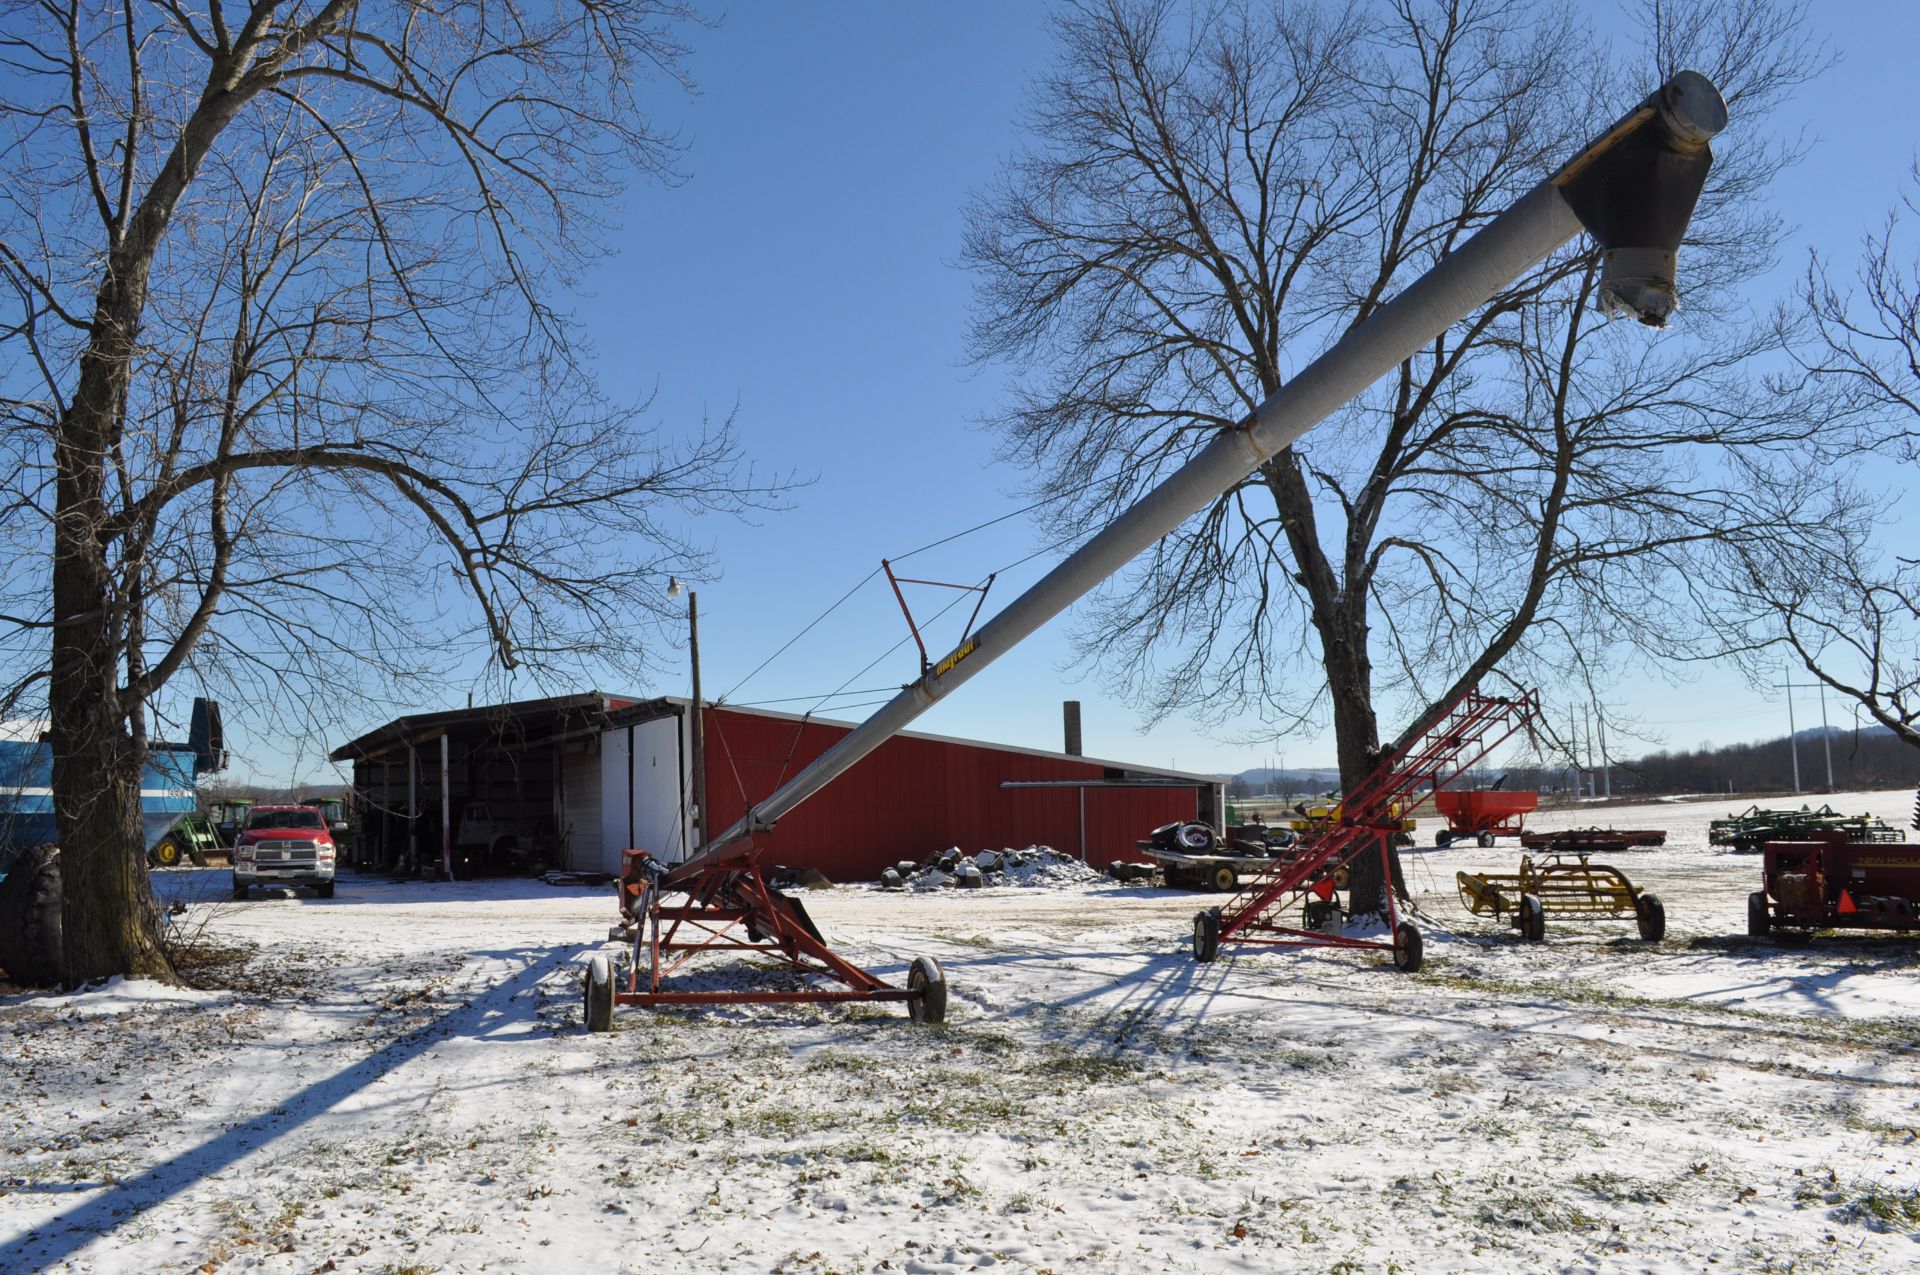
287, 398
1213, 194
1842, 603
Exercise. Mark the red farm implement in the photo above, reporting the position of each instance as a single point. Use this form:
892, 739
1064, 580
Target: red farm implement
1483, 814
1593, 840
722, 903
1292, 903
1831, 882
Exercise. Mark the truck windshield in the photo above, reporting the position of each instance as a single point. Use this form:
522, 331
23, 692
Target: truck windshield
285, 819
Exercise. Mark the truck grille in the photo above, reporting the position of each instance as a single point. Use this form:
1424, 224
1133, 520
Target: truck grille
287, 852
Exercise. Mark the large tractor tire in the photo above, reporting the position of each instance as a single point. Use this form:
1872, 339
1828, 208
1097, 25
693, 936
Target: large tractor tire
30, 918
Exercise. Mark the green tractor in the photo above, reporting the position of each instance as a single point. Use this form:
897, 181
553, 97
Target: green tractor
334, 811
229, 816
193, 838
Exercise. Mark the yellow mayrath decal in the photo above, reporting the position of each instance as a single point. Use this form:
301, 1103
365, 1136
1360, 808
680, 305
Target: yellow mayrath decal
960, 653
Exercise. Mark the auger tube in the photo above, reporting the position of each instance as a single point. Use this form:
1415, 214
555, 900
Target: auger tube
1609, 181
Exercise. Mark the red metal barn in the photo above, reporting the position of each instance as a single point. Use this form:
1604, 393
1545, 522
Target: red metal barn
572, 781
917, 794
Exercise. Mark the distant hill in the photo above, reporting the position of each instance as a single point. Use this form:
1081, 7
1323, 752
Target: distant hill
1262, 781
1867, 758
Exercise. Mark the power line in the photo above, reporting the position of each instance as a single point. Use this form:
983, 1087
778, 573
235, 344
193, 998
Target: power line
864, 580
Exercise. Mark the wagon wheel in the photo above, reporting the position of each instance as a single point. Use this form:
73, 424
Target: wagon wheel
1652, 915
1223, 878
1486, 840
1443, 838
1533, 918
1759, 921
167, 854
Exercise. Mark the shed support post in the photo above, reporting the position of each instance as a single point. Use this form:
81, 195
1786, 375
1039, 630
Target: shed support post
413, 807
446, 816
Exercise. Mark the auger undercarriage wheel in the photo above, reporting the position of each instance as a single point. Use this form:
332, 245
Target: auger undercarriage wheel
925, 977
1652, 915
1408, 948
597, 995
1206, 935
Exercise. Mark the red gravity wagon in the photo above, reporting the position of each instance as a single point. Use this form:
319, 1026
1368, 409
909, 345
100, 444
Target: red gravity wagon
1483, 814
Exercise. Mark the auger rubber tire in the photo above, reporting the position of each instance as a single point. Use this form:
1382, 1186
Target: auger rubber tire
596, 995
1759, 920
1409, 949
927, 978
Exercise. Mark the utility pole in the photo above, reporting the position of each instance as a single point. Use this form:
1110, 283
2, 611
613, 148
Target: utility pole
1826, 735
1573, 754
1793, 739
1826, 732
1606, 762
1593, 776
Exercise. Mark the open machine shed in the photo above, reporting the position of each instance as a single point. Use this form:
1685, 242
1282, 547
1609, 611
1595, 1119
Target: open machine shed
573, 780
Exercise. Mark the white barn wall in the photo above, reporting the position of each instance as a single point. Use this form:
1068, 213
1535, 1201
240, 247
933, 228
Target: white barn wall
646, 813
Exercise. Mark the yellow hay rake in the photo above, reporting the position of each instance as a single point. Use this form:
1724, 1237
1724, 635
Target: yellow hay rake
1560, 885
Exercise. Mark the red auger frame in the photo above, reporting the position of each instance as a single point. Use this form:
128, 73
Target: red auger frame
1464, 732
730, 907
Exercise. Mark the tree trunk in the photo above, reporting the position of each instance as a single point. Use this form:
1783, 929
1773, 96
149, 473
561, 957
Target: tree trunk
108, 919
1343, 632
109, 923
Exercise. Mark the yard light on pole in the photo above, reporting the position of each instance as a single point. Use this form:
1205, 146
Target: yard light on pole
699, 731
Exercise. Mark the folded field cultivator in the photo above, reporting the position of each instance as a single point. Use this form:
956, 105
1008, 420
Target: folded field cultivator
1292, 903
722, 903
1753, 827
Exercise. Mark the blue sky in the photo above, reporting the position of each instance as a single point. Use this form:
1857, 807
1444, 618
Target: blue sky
806, 273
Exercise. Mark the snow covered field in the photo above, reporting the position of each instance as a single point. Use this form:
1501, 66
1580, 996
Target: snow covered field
396, 1080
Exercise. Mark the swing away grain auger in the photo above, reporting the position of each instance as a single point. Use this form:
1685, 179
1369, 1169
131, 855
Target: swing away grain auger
1633, 190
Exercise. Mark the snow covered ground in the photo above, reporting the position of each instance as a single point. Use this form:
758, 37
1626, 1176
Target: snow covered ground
396, 1080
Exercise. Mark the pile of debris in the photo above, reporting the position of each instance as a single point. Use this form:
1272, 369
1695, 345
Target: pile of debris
1040, 867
